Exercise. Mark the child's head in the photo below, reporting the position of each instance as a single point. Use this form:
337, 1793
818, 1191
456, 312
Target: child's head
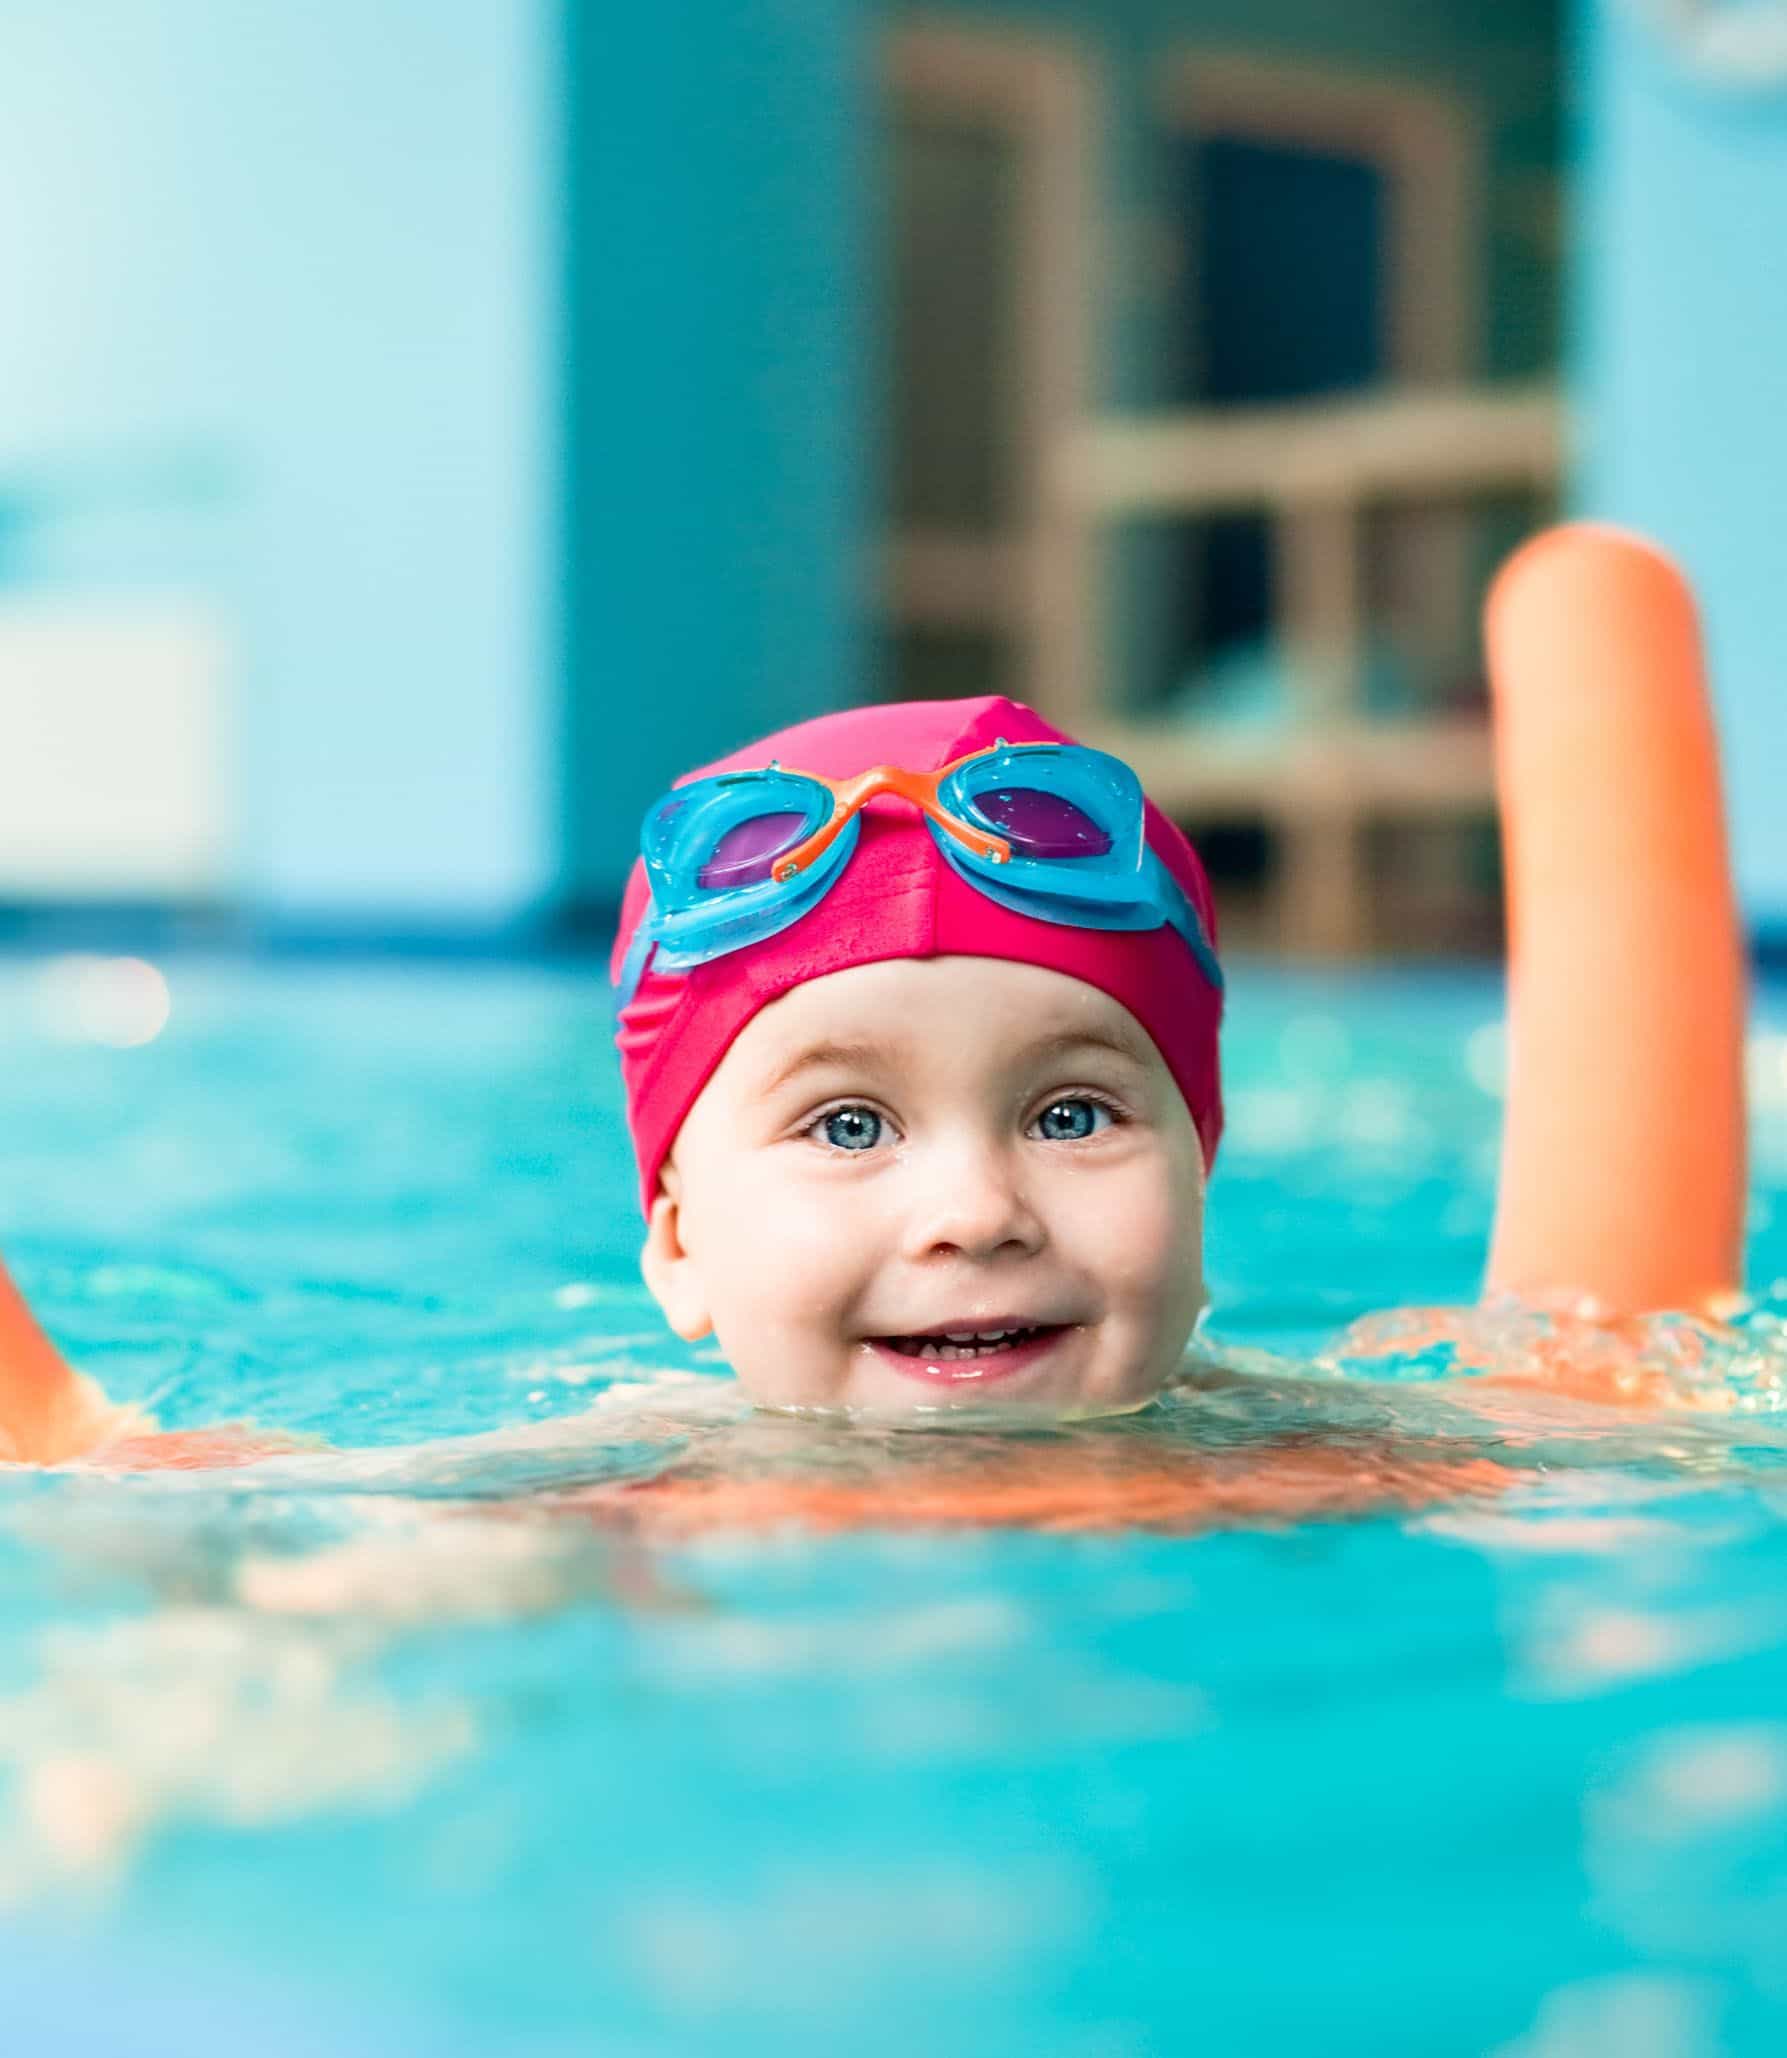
940, 1138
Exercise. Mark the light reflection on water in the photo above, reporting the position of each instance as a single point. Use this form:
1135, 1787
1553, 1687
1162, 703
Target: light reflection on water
1372, 1694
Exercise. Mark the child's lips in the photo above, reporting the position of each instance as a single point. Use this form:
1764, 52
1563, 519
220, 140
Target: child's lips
981, 1356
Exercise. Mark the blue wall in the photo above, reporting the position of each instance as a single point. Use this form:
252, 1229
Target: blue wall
280, 311
718, 183
1681, 370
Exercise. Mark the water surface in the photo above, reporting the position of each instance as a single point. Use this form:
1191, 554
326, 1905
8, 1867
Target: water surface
1370, 1696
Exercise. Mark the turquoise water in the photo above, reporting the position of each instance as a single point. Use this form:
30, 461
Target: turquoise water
1431, 1714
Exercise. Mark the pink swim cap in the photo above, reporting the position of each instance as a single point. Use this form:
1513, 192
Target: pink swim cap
898, 898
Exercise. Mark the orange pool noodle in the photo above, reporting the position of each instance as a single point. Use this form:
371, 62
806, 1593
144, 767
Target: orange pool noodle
47, 1412
1623, 1169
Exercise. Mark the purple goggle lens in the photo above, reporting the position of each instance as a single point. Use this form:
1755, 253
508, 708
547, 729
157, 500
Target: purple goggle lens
744, 855
1041, 825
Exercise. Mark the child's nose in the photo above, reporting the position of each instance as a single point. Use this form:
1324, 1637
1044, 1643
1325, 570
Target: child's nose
972, 1201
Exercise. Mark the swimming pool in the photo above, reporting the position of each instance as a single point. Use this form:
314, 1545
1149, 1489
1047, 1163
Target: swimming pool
419, 1752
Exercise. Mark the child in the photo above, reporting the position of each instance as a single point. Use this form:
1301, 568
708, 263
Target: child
925, 1096
919, 1012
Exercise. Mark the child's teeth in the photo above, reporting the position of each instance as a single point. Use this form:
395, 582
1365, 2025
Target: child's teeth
960, 1343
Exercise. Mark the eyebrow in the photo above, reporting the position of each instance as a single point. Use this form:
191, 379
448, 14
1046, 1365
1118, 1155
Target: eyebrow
1117, 1038
834, 1055
865, 1055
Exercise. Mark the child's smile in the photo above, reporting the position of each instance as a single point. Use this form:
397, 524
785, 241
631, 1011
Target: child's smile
961, 1357
936, 1183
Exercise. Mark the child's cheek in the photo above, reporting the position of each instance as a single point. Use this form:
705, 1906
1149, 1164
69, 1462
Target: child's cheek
805, 1249
820, 1260
1151, 1241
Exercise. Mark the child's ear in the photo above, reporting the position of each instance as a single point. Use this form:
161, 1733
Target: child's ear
670, 1271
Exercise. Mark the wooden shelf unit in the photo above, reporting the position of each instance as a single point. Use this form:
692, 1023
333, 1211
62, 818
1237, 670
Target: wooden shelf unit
1313, 471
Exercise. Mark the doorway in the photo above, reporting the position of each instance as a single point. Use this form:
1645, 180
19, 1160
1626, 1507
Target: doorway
1326, 230
1280, 301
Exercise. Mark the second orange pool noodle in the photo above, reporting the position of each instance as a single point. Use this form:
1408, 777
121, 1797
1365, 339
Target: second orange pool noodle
1623, 1166
47, 1411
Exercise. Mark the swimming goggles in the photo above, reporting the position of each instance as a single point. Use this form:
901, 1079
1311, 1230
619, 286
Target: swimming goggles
1050, 830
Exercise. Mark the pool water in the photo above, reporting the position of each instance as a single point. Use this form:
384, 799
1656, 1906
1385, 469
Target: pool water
1350, 1702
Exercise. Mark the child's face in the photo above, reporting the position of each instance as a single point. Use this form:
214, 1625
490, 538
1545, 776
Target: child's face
923, 1149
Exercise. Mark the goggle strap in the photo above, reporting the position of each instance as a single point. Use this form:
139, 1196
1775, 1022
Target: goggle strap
638, 955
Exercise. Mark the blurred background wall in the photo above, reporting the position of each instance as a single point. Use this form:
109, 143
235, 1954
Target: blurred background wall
1680, 366
719, 426
279, 361
424, 427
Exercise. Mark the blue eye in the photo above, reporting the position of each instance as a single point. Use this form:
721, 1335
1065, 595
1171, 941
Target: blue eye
852, 1128
1067, 1121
